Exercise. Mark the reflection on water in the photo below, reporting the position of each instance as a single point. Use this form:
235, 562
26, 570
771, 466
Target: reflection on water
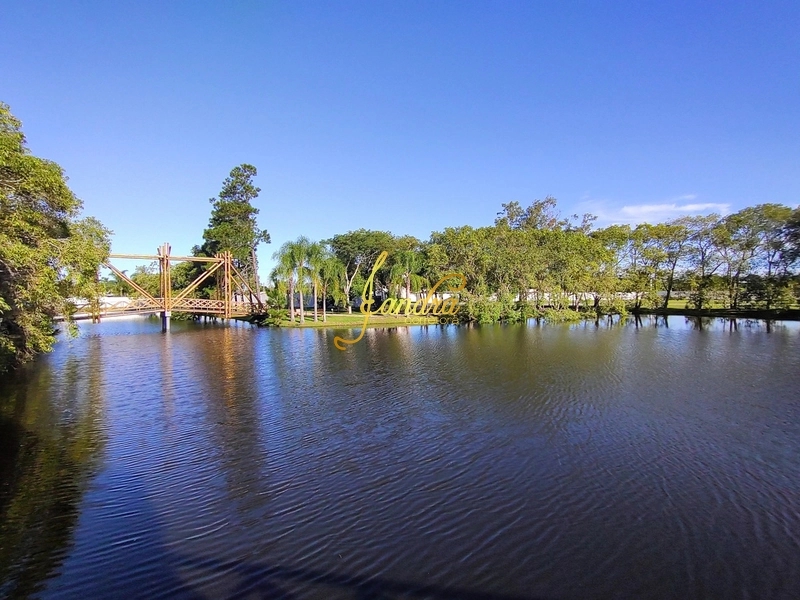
51, 433
656, 458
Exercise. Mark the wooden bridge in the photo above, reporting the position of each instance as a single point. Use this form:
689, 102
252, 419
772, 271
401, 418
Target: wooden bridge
236, 297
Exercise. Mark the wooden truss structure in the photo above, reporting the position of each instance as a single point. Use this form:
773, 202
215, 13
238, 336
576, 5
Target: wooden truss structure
235, 294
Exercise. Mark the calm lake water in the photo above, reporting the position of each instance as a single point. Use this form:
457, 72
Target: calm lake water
442, 462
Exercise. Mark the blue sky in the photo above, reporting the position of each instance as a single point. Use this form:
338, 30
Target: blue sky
406, 116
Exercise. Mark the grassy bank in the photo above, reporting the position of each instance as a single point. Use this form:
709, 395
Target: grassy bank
357, 319
345, 321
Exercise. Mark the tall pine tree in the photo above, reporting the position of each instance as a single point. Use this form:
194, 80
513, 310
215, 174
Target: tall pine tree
232, 226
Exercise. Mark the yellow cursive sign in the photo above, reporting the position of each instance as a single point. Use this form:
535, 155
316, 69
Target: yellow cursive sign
390, 306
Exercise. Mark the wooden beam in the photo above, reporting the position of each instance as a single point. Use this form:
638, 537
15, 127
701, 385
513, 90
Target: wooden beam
130, 282
152, 257
192, 286
247, 285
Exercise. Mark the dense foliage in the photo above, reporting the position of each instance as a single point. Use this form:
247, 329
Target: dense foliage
232, 226
533, 263
47, 254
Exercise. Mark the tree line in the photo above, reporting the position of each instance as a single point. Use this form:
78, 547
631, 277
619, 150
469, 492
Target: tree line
533, 263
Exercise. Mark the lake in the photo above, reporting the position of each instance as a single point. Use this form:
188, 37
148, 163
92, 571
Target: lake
495, 462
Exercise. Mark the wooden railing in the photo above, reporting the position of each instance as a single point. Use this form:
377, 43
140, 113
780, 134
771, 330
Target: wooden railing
154, 305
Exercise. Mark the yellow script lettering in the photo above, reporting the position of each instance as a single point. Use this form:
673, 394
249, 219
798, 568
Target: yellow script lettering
339, 341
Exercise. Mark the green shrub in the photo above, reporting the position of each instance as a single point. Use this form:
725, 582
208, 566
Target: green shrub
563, 315
484, 310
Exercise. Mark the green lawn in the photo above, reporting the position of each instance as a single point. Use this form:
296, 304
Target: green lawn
682, 304
357, 319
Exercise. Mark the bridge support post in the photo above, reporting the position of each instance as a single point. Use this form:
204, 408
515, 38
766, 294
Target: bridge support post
165, 315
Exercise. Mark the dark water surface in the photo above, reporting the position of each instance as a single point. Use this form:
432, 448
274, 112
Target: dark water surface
440, 462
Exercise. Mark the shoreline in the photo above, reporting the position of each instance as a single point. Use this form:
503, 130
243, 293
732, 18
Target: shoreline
355, 320
774, 314
348, 321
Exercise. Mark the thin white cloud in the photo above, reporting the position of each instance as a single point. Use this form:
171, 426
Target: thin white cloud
708, 206
609, 212
645, 210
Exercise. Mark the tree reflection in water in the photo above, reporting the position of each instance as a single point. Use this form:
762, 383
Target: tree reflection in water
50, 439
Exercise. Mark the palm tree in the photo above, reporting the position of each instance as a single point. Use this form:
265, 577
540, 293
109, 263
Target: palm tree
332, 274
116, 284
291, 259
315, 257
276, 294
299, 254
284, 271
405, 270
